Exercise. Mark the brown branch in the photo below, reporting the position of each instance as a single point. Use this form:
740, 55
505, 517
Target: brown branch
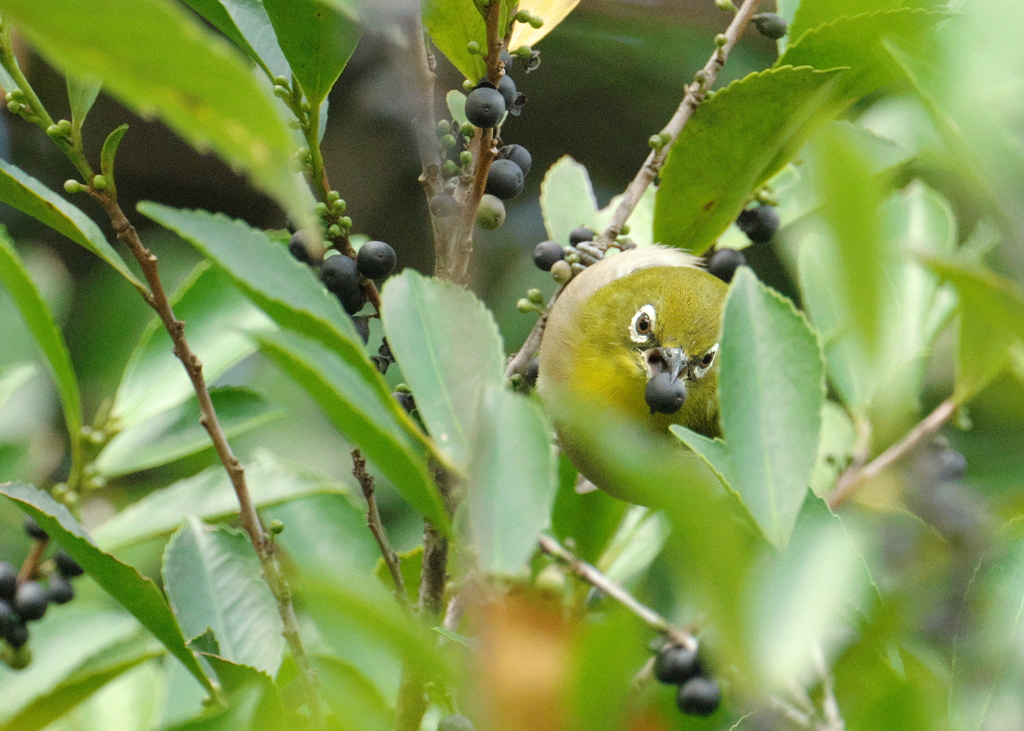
373, 522
248, 517
30, 567
856, 474
595, 578
695, 93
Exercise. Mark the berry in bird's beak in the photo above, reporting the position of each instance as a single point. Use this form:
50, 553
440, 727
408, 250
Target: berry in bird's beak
666, 391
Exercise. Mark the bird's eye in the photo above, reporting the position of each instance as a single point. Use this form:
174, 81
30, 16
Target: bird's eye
642, 326
706, 361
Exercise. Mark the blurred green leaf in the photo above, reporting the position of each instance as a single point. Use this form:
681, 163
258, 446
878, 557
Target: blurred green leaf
246, 24
991, 323
136, 593
635, 545
218, 319
209, 496
13, 377
772, 392
449, 349
70, 646
360, 414
456, 103
511, 486
253, 705
590, 519
39, 319
214, 580
857, 44
814, 13
835, 450
28, 195
410, 564
166, 63
357, 703
567, 199
553, 13
317, 41
452, 24
177, 433
720, 158
82, 95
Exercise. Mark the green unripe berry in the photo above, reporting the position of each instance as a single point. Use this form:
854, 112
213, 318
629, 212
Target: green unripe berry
523, 16
655, 142
54, 131
72, 186
721, 40
321, 209
491, 213
64, 126
276, 527
523, 52
725, 5
536, 21
334, 231
345, 222
524, 305
535, 296
333, 196
338, 207
466, 157
450, 168
14, 107
281, 92
448, 142
561, 272
295, 124
473, 47
572, 257
443, 128
99, 182
281, 81
625, 229
467, 130
467, 86
666, 137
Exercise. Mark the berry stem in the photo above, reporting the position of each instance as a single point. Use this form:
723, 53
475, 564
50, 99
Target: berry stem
595, 578
373, 522
30, 567
857, 474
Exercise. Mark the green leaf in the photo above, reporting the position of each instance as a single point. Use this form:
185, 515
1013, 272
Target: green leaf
812, 15
567, 199
357, 410
991, 323
857, 43
82, 95
835, 450
209, 496
22, 290
635, 545
68, 645
165, 63
253, 703
452, 24
177, 433
246, 24
511, 487
214, 580
410, 565
317, 41
772, 393
720, 158
351, 695
136, 593
108, 155
449, 349
13, 377
28, 195
456, 103
218, 322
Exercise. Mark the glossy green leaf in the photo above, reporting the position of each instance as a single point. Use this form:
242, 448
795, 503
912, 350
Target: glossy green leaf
177, 433
991, 323
452, 24
772, 390
209, 496
811, 15
82, 95
511, 486
857, 44
357, 410
449, 349
165, 63
720, 158
37, 316
67, 645
567, 199
317, 41
218, 320
246, 24
22, 191
136, 593
214, 580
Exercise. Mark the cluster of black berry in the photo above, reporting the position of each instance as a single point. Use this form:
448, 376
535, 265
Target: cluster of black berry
698, 694
550, 256
759, 224
23, 600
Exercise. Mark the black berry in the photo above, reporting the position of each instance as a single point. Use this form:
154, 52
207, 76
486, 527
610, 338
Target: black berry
950, 466
770, 25
444, 205
484, 107
385, 350
675, 665
519, 155
506, 58
60, 590
581, 234
665, 394
341, 276
504, 179
455, 723
759, 224
34, 531
405, 399
724, 262
376, 260
699, 697
491, 213
7, 617
381, 363
507, 89
16, 635
546, 254
8, 581
67, 566
299, 247
362, 323
30, 601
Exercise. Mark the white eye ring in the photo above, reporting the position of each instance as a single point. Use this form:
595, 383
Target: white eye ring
699, 369
642, 326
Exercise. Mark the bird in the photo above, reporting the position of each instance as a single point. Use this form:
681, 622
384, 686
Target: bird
636, 333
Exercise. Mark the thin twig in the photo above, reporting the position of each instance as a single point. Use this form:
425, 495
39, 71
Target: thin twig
30, 567
376, 527
854, 476
695, 93
597, 579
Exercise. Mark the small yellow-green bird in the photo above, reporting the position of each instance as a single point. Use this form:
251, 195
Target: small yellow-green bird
638, 333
